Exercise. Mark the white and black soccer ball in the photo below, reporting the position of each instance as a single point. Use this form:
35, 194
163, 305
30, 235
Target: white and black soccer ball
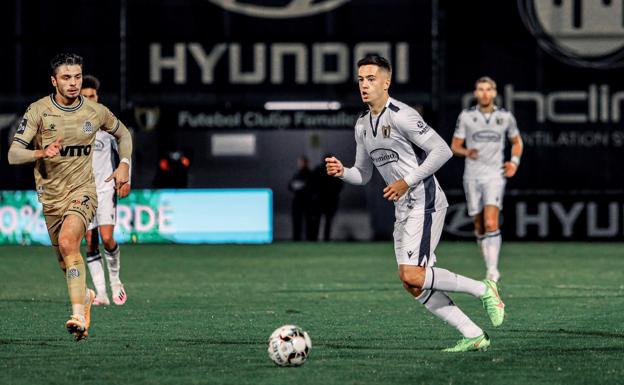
289, 345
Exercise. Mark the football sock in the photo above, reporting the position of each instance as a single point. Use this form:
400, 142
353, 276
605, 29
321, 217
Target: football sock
76, 282
442, 279
443, 307
96, 268
480, 239
113, 262
491, 251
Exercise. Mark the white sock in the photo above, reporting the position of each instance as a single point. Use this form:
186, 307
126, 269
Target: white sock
438, 303
480, 239
442, 279
491, 251
113, 261
96, 268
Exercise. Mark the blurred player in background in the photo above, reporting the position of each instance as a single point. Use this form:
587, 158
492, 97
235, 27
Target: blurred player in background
480, 138
394, 138
105, 160
62, 128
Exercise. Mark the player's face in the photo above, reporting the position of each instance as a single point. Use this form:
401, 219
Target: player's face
68, 81
90, 93
374, 83
485, 94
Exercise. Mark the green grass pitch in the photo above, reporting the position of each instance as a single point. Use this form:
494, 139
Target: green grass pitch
202, 315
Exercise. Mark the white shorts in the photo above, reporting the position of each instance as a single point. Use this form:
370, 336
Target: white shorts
416, 238
481, 193
106, 213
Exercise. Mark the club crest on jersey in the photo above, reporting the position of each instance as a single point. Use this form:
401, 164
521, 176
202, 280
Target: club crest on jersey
385, 130
87, 128
499, 121
22, 126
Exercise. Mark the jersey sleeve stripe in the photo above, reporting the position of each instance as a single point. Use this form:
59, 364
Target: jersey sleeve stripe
21, 141
114, 130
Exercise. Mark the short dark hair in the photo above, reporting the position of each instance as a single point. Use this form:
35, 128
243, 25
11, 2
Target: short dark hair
376, 60
90, 81
485, 79
65, 59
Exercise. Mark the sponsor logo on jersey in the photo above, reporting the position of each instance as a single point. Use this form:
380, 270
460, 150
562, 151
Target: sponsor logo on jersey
422, 127
75, 150
22, 126
287, 10
87, 128
383, 156
486, 136
99, 145
45, 115
385, 130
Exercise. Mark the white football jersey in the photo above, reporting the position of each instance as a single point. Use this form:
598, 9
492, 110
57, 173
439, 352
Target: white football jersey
485, 133
392, 141
105, 160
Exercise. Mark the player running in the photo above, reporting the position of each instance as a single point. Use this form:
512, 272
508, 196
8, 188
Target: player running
105, 160
62, 128
406, 151
480, 138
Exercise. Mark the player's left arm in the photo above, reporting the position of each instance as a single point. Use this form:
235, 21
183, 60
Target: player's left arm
511, 167
115, 127
423, 136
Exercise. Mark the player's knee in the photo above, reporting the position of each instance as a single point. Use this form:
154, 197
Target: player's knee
68, 244
413, 278
109, 242
491, 225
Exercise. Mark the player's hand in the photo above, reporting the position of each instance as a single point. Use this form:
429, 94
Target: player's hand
124, 190
394, 191
121, 176
472, 153
334, 166
53, 148
509, 169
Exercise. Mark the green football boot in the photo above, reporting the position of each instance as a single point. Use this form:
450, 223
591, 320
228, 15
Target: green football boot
480, 343
493, 303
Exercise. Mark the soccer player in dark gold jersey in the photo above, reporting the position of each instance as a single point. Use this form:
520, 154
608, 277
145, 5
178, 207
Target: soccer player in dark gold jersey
61, 128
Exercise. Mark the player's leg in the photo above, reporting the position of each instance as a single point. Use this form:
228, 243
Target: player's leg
96, 264
479, 230
474, 207
72, 231
415, 240
53, 224
491, 242
106, 217
493, 200
112, 253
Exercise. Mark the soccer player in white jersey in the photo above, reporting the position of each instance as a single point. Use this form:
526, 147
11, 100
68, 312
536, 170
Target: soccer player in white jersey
480, 137
105, 158
406, 151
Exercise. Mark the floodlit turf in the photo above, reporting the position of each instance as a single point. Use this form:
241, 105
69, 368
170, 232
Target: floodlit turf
202, 315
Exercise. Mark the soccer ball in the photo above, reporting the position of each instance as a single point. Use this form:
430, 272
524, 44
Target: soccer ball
289, 345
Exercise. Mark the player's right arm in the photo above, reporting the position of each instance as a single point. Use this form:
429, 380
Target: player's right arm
459, 139
26, 131
361, 171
